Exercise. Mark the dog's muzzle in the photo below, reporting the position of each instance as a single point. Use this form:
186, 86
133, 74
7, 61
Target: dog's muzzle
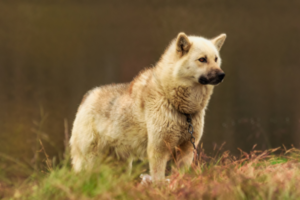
212, 80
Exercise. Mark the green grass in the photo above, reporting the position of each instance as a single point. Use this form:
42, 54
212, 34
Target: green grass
254, 175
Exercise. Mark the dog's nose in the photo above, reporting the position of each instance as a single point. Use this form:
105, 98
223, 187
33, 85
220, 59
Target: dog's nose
221, 76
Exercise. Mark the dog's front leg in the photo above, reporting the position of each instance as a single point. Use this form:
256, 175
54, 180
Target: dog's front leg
185, 155
158, 156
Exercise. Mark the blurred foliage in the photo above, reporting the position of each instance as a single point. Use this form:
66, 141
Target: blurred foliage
254, 175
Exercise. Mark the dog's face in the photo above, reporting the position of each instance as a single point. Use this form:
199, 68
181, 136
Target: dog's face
198, 59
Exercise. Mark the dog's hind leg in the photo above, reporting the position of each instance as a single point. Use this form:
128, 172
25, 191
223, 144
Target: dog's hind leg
78, 162
83, 142
129, 162
82, 160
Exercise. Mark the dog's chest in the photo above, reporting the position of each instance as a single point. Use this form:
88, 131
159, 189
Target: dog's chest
188, 99
177, 132
183, 134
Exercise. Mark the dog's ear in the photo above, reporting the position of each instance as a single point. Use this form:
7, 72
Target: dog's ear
219, 41
183, 44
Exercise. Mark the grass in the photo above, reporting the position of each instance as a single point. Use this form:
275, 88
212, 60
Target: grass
271, 174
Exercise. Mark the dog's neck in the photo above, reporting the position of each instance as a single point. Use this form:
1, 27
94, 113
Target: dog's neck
189, 100
186, 99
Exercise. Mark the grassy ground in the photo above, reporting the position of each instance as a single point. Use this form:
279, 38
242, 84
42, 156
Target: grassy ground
257, 175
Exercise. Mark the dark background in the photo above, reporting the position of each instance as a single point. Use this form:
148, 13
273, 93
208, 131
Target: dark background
51, 53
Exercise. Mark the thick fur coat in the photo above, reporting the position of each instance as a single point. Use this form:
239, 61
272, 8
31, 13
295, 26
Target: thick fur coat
146, 118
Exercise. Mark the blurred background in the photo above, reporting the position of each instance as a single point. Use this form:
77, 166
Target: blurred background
52, 52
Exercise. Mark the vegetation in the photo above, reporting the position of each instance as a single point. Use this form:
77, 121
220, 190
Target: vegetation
272, 174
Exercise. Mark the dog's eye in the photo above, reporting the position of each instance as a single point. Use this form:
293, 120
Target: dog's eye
202, 60
216, 59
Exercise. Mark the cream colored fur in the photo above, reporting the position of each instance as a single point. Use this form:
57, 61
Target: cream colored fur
145, 118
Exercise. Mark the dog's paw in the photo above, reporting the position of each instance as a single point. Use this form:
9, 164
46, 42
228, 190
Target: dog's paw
146, 179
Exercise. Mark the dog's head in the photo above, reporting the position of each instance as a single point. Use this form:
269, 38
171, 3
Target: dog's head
198, 59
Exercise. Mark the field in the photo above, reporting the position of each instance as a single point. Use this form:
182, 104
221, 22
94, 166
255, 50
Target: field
271, 174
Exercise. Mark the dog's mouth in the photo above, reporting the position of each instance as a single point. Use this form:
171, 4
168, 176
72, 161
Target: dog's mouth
212, 80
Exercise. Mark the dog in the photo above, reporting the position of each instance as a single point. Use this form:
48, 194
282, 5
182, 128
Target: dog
146, 118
